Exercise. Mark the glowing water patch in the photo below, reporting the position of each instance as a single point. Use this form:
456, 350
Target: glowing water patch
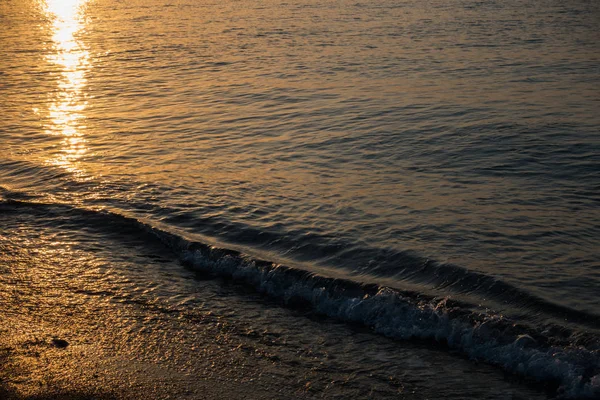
72, 58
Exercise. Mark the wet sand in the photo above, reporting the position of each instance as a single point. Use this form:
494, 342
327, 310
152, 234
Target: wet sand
102, 361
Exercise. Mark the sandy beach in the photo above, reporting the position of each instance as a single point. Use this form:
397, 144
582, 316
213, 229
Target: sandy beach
56, 349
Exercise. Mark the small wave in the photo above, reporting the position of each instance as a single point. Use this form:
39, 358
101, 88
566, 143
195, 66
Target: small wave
410, 267
552, 354
399, 268
406, 315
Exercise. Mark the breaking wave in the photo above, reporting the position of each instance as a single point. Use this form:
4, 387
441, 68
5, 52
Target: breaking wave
562, 357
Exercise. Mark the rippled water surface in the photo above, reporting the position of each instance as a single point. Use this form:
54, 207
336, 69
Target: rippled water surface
445, 147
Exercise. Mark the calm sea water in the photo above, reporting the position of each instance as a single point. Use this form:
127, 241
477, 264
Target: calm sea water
448, 151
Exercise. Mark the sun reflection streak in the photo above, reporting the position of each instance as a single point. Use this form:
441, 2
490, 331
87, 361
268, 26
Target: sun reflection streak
72, 60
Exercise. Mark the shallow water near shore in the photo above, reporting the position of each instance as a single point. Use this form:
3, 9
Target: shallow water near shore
426, 171
127, 308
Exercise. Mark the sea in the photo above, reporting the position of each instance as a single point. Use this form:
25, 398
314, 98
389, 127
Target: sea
416, 181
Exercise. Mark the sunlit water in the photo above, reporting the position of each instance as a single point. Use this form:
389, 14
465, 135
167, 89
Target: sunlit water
448, 148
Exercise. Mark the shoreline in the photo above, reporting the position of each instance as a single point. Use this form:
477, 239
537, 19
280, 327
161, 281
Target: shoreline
91, 313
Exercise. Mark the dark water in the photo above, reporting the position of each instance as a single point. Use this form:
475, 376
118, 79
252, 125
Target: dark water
429, 170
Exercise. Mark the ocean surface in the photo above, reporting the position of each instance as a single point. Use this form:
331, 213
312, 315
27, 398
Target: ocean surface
426, 170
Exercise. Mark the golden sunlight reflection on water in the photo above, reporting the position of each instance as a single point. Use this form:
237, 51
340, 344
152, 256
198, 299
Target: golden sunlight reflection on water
69, 101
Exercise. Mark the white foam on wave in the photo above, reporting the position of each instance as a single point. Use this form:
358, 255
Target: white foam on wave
390, 313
